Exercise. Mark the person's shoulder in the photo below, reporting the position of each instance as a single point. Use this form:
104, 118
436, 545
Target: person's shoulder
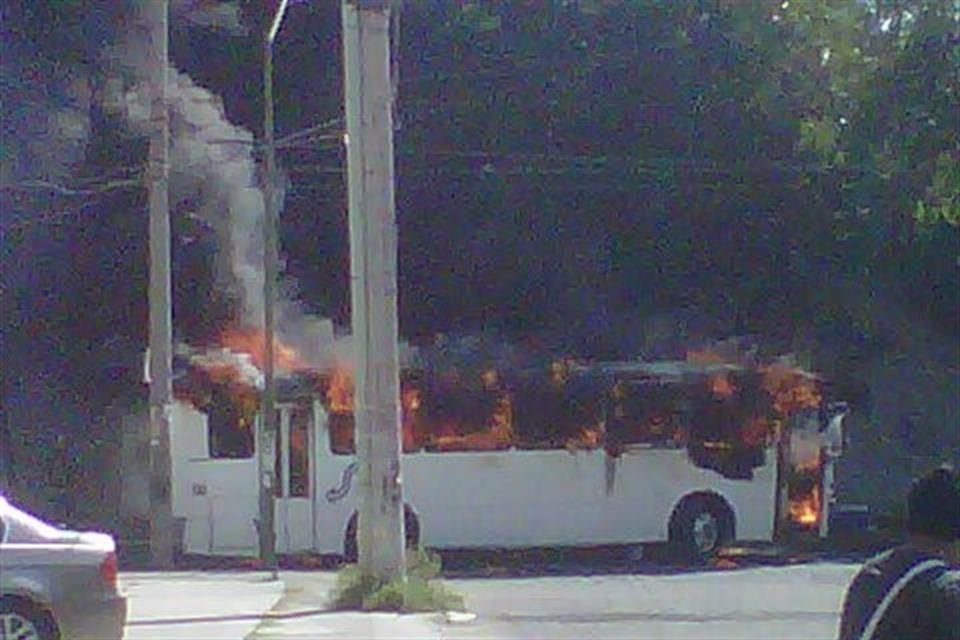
948, 584
944, 606
896, 557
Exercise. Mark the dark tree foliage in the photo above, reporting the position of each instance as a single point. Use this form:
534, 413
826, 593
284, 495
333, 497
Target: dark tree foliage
563, 166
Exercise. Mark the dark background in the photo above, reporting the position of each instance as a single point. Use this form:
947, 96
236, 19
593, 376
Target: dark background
610, 179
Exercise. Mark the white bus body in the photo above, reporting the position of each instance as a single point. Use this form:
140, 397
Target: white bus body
487, 499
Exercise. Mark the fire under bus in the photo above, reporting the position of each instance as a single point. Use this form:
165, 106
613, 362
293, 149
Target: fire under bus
695, 453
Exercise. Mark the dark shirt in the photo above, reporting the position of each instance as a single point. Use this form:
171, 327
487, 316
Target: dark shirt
928, 608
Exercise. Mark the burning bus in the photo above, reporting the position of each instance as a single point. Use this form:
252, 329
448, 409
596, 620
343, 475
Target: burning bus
698, 452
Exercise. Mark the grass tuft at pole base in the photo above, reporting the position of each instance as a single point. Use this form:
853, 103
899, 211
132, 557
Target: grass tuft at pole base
421, 592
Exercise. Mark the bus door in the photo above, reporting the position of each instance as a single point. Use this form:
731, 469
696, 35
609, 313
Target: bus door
813, 445
294, 509
833, 439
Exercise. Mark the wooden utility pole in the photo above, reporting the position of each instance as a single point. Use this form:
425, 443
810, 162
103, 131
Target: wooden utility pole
155, 15
373, 267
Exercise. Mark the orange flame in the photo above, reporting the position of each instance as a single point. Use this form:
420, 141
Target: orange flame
706, 357
560, 371
410, 402
340, 391
410, 399
212, 382
502, 419
586, 438
254, 343
721, 386
806, 510
791, 389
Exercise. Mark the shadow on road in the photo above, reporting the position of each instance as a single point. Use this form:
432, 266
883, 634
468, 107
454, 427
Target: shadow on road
613, 617
651, 559
598, 561
241, 617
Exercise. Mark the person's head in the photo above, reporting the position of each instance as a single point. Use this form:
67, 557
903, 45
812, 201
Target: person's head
933, 511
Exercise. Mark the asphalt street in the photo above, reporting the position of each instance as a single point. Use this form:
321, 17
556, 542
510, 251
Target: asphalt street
793, 602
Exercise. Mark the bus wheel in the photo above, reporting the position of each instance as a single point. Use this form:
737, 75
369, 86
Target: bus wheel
701, 524
411, 527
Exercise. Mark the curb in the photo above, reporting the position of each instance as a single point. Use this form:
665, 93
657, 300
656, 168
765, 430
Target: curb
459, 617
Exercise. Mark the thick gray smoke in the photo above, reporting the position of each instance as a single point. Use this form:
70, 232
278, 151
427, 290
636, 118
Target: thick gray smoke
213, 176
212, 172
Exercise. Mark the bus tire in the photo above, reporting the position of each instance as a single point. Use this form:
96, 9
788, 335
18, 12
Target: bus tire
411, 528
701, 524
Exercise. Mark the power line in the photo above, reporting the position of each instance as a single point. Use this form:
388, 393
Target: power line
493, 163
310, 133
48, 218
594, 170
299, 140
27, 186
296, 139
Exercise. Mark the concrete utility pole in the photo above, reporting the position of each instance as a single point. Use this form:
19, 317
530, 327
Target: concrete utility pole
268, 433
373, 266
155, 15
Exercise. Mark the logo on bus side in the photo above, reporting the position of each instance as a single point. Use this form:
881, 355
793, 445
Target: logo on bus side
339, 493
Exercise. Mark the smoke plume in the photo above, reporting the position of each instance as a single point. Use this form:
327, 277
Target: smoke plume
214, 179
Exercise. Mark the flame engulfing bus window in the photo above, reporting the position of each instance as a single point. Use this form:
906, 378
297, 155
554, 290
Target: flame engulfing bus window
438, 413
726, 416
730, 429
457, 412
231, 413
229, 404
556, 412
230, 429
647, 412
341, 426
803, 469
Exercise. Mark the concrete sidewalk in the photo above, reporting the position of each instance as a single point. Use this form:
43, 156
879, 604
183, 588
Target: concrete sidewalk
798, 602
189, 605
304, 612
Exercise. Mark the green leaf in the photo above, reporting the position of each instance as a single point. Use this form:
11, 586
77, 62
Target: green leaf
479, 19
819, 136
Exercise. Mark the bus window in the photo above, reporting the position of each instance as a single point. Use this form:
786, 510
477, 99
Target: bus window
230, 408
556, 416
727, 429
477, 416
341, 433
299, 460
341, 427
230, 423
647, 413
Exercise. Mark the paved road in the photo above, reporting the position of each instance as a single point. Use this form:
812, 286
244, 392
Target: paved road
794, 602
